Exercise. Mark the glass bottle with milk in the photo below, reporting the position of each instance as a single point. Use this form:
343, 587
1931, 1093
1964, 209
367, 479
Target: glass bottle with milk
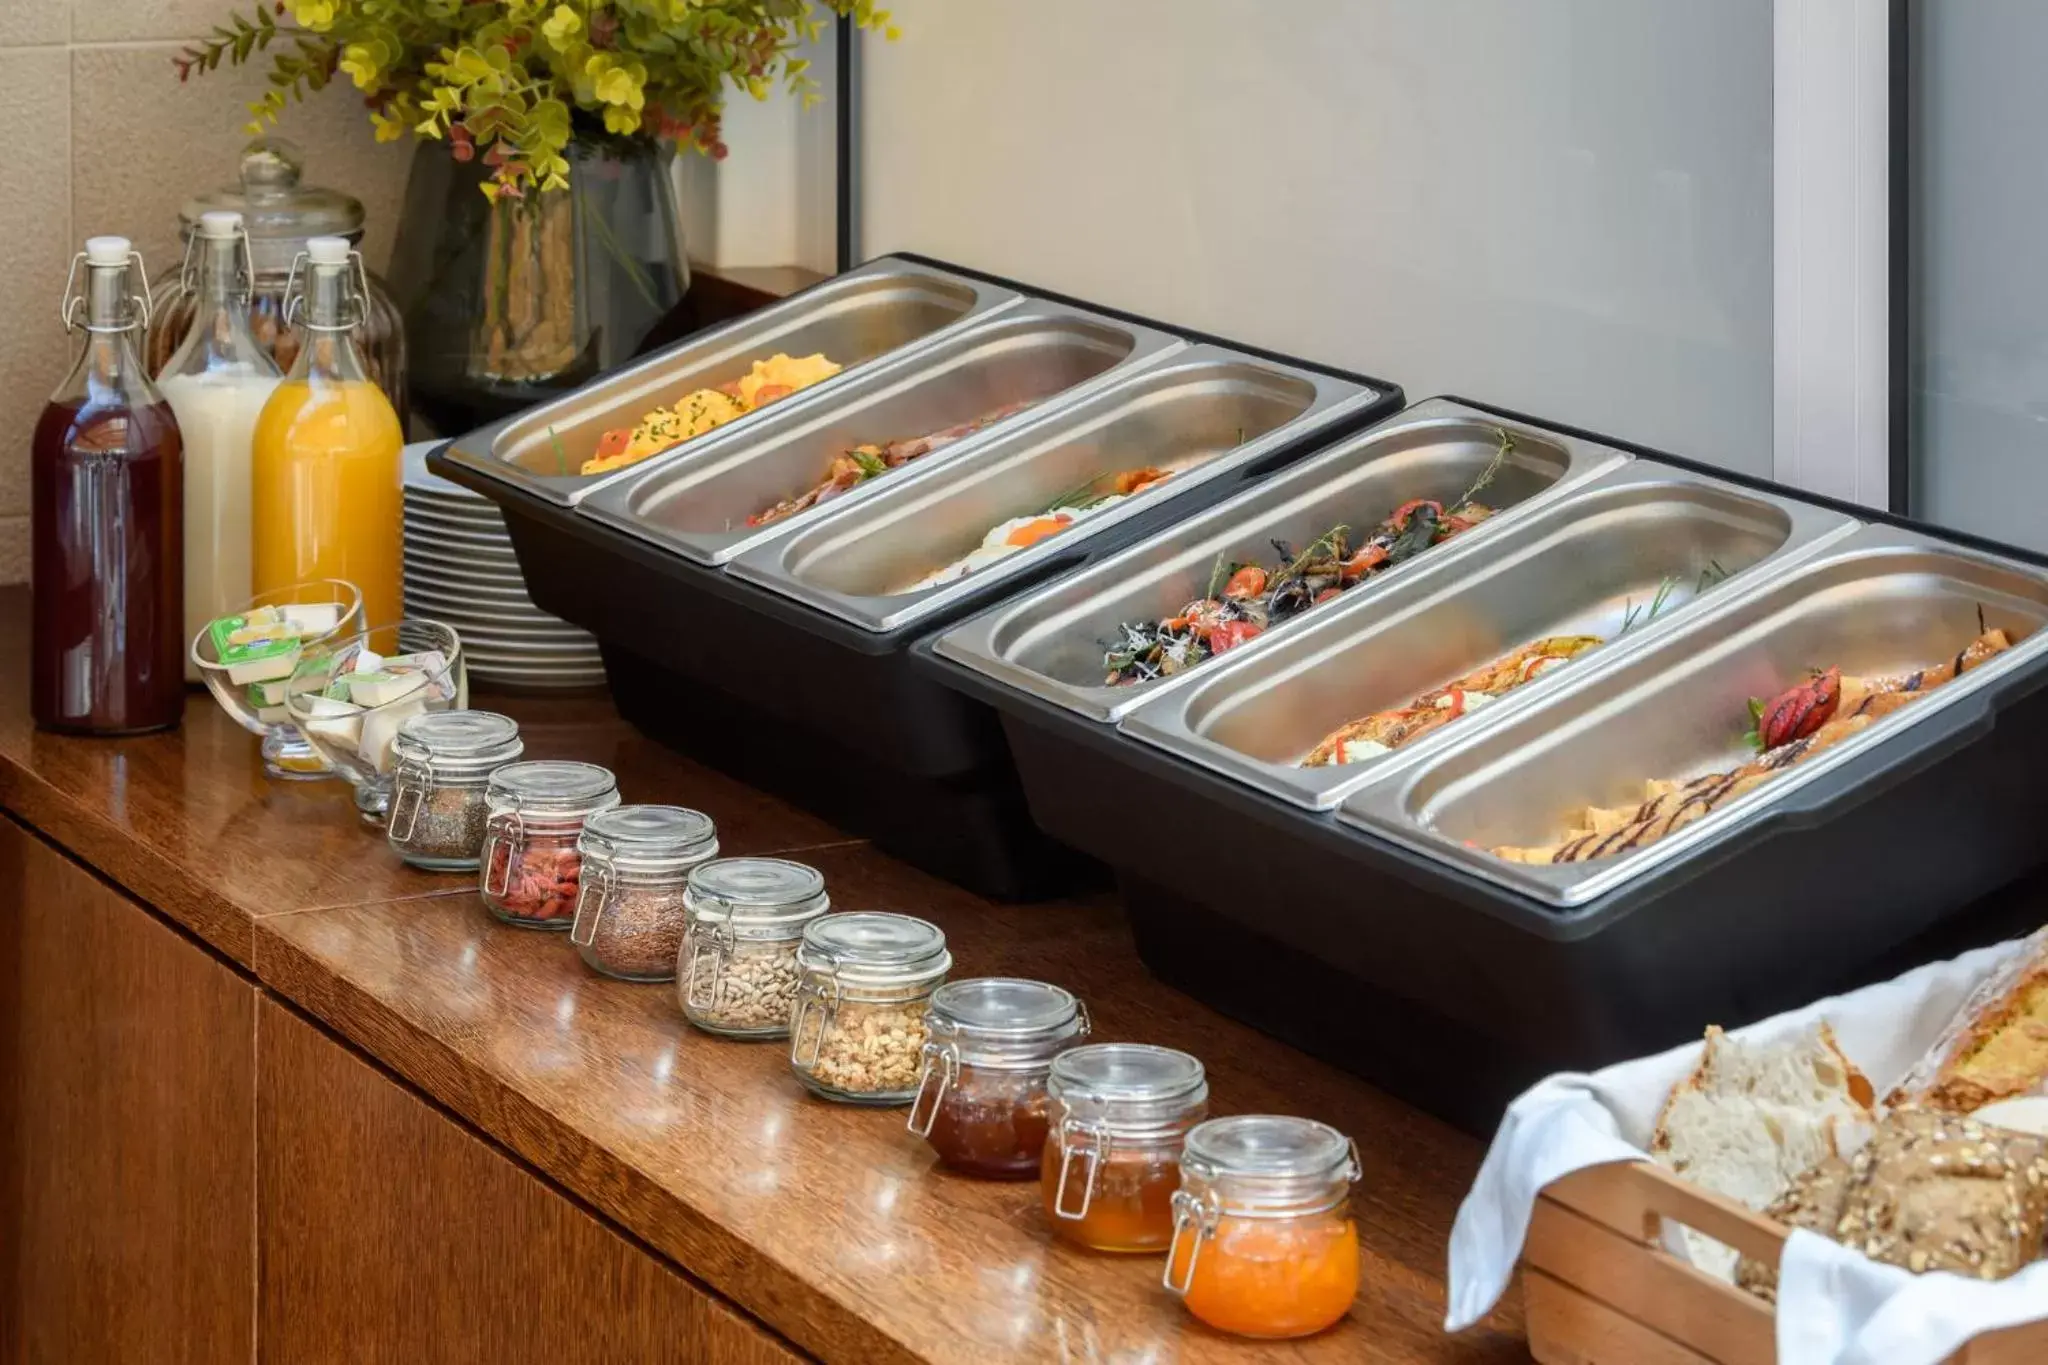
217, 382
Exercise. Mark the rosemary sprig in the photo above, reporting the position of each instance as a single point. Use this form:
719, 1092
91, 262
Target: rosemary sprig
1218, 575
1505, 446
1635, 616
1327, 539
561, 452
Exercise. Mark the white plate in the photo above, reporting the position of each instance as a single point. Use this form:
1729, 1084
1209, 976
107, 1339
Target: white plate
427, 519
471, 597
448, 542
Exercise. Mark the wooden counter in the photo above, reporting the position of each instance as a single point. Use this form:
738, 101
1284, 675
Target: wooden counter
271, 1092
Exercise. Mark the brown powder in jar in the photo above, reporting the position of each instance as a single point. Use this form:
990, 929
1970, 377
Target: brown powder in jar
450, 823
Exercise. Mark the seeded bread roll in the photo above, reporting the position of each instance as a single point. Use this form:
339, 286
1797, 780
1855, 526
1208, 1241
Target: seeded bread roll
1935, 1192
1814, 1203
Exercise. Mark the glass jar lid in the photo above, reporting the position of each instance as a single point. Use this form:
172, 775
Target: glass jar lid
873, 948
452, 743
1257, 1162
553, 788
274, 206
998, 1020
653, 837
757, 897
1127, 1085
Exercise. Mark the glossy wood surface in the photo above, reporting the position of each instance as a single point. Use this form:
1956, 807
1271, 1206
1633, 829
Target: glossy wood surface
127, 1128
189, 823
390, 1234
826, 1223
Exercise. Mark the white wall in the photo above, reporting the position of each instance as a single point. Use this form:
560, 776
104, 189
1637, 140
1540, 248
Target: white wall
1559, 205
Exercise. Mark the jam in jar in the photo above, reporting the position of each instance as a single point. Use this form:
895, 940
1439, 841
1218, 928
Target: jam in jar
981, 1099
1119, 1114
1263, 1242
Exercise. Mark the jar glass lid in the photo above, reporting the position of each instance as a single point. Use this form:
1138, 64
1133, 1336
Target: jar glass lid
1274, 1145
1127, 1073
456, 735
755, 890
650, 832
874, 948
272, 202
553, 787
1001, 1004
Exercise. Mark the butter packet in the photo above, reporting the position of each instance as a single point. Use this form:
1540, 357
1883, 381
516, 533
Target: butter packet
259, 647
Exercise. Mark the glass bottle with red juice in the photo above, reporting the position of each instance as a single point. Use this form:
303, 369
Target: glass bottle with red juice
106, 502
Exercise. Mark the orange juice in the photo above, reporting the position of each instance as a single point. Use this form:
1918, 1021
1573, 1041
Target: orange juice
324, 501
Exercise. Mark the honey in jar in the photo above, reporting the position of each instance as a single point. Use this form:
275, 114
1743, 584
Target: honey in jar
981, 1099
1119, 1114
1263, 1242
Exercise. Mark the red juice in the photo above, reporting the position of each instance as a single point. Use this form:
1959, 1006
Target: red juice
107, 508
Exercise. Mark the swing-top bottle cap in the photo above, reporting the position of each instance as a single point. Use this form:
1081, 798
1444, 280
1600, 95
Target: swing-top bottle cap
327, 250
220, 223
108, 250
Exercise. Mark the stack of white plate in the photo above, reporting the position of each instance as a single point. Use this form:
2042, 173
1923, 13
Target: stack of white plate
460, 569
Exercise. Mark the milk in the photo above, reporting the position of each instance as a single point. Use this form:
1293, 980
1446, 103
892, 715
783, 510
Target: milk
216, 411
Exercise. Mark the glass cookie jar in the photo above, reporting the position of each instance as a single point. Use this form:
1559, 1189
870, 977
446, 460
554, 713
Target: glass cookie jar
443, 761
858, 1032
629, 903
745, 920
532, 872
1263, 1242
1120, 1113
279, 216
981, 1099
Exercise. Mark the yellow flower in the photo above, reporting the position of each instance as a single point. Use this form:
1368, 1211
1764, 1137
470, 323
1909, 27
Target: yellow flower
313, 14
621, 120
359, 60
562, 25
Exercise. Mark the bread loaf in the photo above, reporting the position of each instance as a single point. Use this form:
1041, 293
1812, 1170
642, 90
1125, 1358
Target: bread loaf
1814, 1203
1997, 1049
1936, 1192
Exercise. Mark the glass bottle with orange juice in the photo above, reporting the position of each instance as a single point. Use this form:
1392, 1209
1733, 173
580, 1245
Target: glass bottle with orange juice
325, 496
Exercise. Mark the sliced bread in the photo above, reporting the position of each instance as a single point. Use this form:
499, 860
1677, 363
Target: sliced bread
1752, 1117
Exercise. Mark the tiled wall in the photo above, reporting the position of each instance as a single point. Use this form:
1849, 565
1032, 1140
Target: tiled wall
101, 138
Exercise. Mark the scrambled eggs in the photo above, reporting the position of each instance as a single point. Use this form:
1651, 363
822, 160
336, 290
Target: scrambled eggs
707, 409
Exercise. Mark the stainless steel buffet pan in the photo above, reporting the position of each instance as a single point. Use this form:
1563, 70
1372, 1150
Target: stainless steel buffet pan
883, 306
1880, 601
698, 502
1622, 558
1050, 642
1207, 413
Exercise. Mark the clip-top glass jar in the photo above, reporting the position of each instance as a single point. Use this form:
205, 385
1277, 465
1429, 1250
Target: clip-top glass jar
629, 912
746, 918
1112, 1160
532, 872
981, 1099
1263, 1242
442, 762
863, 980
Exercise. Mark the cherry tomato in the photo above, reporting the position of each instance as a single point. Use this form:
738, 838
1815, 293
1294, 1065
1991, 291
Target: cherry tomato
1249, 581
1364, 562
1326, 594
1407, 510
1230, 635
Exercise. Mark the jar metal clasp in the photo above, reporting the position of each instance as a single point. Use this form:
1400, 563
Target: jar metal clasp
719, 953
1093, 1148
508, 832
1200, 1215
940, 1061
592, 888
409, 793
821, 993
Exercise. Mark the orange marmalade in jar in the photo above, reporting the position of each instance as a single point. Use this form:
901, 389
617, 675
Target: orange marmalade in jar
1119, 1114
1263, 1242
981, 1099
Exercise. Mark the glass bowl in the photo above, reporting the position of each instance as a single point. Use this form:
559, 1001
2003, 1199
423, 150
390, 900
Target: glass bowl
286, 754
419, 667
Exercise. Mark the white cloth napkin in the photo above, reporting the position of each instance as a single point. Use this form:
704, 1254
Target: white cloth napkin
1835, 1307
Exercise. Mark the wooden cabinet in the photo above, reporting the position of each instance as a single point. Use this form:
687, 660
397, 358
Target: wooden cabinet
127, 1127
390, 1233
